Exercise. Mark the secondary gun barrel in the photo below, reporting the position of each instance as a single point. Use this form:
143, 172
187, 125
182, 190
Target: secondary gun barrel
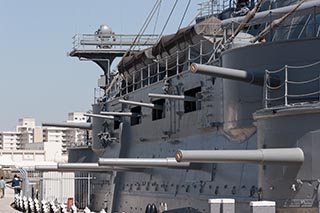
69, 125
176, 97
46, 168
93, 167
259, 156
99, 116
228, 73
82, 167
117, 113
143, 162
149, 105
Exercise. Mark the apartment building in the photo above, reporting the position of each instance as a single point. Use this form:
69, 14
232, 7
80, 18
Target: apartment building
10, 140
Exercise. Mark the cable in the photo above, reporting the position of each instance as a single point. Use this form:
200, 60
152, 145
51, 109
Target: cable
165, 25
184, 14
144, 26
157, 18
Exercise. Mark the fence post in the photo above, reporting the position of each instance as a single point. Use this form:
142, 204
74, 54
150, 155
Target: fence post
200, 51
266, 77
286, 85
133, 80
167, 66
89, 177
189, 57
141, 77
127, 85
177, 70
61, 187
149, 82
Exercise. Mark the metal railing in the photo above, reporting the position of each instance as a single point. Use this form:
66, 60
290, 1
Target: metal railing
168, 67
116, 41
209, 8
59, 186
298, 84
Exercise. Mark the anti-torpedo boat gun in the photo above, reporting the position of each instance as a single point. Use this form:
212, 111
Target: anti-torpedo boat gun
256, 78
259, 156
84, 167
170, 163
69, 125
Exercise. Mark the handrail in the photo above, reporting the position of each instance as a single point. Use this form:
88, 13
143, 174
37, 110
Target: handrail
292, 90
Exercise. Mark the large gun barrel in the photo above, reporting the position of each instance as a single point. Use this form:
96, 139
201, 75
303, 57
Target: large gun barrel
228, 73
70, 125
175, 97
99, 116
46, 168
93, 167
143, 162
149, 105
117, 113
259, 156
83, 167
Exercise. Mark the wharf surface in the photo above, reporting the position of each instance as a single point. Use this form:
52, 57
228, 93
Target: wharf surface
5, 202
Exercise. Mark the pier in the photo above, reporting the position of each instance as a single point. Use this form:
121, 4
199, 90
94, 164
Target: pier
6, 201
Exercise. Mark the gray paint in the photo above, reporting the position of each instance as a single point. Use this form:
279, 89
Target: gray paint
223, 122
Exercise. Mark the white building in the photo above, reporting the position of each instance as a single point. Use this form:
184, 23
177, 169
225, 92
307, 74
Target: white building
25, 127
55, 135
76, 137
27, 132
67, 136
10, 140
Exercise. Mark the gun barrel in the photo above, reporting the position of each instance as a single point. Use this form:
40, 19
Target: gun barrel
149, 105
143, 162
83, 167
99, 116
228, 73
117, 113
259, 156
46, 168
176, 97
93, 167
69, 125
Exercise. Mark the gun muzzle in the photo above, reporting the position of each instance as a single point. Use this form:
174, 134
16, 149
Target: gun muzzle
228, 73
259, 156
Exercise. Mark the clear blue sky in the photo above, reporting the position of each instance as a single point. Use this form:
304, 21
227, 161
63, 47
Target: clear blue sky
37, 78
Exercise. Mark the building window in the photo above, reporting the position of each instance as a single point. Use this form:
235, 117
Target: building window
136, 117
158, 112
190, 106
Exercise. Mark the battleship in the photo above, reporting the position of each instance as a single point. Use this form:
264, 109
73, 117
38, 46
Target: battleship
217, 117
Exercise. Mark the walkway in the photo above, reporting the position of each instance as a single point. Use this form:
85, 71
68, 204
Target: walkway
6, 201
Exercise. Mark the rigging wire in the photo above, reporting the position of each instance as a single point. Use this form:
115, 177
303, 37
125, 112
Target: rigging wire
165, 25
184, 14
144, 26
157, 18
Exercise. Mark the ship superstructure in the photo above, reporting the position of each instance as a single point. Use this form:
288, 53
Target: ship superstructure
225, 108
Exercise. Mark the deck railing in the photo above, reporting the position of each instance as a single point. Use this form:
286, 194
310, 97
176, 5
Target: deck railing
165, 68
298, 85
115, 41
